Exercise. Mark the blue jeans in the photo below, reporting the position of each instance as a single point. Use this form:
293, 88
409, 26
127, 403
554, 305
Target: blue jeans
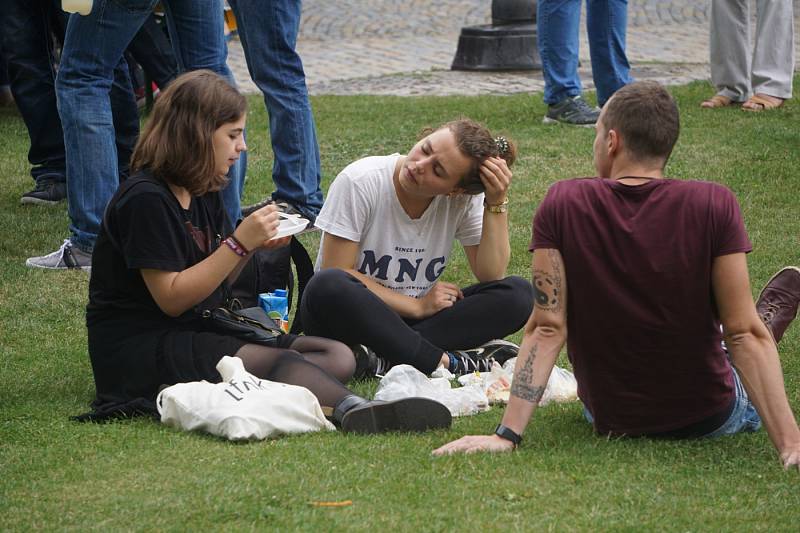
558, 26
197, 30
743, 418
268, 32
98, 142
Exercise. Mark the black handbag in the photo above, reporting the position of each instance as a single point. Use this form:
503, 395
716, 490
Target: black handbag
250, 324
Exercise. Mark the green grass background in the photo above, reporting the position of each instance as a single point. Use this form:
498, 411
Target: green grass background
139, 475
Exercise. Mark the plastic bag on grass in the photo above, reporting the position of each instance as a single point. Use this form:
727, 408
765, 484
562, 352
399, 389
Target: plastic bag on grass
403, 381
496, 384
241, 407
561, 387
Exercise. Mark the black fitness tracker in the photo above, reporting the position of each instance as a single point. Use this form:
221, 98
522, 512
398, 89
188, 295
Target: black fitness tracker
507, 433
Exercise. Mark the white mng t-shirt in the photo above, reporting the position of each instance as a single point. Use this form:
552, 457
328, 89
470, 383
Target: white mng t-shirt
406, 255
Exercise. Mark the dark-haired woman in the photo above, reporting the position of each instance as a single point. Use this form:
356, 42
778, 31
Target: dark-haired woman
388, 228
164, 252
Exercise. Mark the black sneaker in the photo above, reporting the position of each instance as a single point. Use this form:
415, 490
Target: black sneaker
283, 207
480, 359
357, 415
572, 110
46, 193
368, 364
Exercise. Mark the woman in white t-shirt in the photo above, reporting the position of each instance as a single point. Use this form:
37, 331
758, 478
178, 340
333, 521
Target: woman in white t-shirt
388, 228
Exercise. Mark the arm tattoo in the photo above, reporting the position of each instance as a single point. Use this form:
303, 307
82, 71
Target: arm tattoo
522, 386
547, 285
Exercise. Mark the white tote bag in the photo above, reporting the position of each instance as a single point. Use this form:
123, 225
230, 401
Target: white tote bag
241, 407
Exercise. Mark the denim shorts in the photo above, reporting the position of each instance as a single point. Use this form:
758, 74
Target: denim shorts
743, 418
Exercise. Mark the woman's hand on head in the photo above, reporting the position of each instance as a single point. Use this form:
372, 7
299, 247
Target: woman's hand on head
496, 178
441, 296
259, 227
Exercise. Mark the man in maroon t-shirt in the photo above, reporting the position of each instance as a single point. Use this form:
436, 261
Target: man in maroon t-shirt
642, 271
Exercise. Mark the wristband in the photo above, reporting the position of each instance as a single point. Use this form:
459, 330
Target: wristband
237, 247
238, 243
508, 434
497, 208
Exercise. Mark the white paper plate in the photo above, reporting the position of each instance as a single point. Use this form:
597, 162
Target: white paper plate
290, 225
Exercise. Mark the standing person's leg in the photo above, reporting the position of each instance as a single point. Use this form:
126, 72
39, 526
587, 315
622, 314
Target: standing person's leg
90, 61
558, 27
489, 310
606, 25
5, 86
729, 49
197, 30
268, 31
558, 23
6, 98
337, 306
126, 118
774, 54
27, 45
153, 51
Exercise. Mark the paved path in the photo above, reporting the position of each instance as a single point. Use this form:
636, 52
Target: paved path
405, 47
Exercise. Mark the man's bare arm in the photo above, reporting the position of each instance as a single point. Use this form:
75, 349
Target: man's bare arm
754, 354
545, 334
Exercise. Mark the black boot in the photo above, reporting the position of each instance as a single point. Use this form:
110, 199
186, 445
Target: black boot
357, 415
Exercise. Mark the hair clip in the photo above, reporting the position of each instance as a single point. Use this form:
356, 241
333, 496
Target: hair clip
502, 144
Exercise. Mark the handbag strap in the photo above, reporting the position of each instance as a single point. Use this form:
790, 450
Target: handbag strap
305, 269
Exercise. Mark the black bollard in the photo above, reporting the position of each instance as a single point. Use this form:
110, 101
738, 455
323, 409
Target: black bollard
508, 43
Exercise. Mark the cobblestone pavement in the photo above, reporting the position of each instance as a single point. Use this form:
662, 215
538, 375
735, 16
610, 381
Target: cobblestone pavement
405, 47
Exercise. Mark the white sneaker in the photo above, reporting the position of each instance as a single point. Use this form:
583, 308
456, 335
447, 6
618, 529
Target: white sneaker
66, 257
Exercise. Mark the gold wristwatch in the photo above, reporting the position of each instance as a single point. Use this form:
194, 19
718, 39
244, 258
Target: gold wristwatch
499, 208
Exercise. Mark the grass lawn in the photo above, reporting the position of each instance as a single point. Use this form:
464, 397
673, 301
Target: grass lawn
139, 475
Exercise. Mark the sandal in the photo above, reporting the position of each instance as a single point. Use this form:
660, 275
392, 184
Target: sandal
762, 102
716, 101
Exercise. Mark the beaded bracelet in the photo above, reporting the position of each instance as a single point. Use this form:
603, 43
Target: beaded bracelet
237, 247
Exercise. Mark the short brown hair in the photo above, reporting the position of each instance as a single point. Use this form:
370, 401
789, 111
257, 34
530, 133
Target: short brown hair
176, 144
477, 143
646, 116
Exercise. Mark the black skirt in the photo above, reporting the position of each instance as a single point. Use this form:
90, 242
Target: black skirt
129, 370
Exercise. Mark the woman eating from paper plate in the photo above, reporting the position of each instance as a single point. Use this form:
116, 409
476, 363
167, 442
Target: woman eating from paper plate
164, 255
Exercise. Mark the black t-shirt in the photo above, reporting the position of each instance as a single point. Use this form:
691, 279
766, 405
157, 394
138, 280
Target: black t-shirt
144, 227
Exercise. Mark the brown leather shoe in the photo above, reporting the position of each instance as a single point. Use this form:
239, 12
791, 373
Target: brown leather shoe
779, 299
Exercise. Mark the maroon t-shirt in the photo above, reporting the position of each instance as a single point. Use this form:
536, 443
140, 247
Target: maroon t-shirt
643, 332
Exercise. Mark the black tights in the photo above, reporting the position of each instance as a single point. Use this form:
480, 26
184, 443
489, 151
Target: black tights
320, 365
